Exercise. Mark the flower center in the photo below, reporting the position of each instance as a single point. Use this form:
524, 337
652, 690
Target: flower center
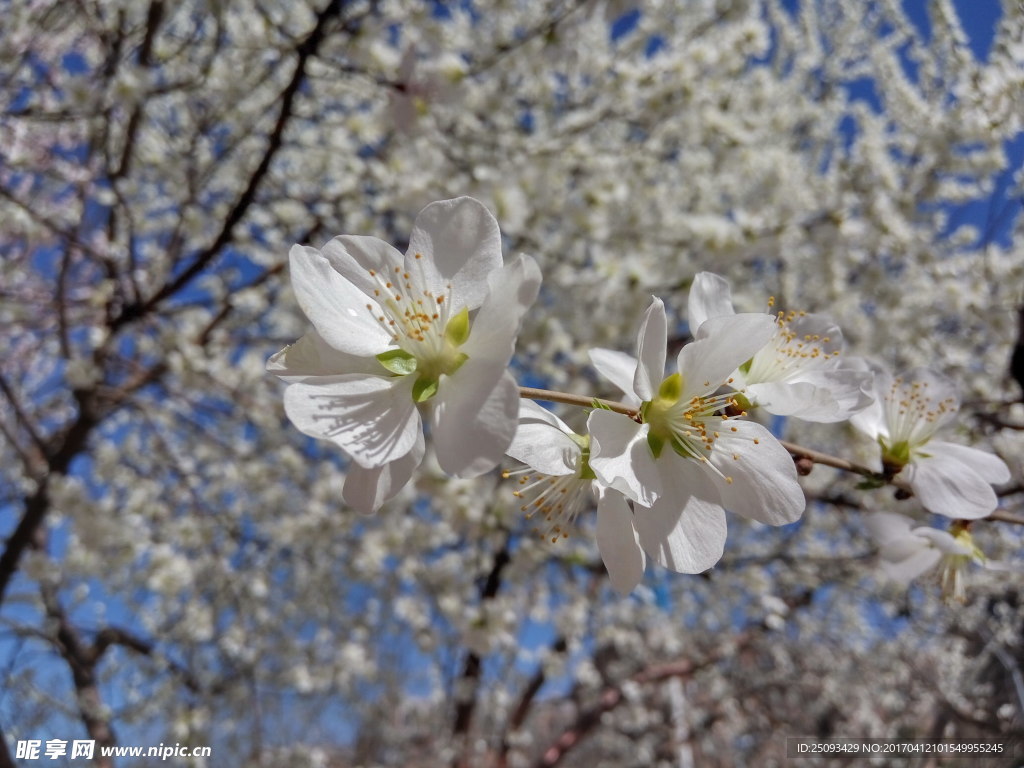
427, 336
789, 351
557, 498
690, 427
912, 416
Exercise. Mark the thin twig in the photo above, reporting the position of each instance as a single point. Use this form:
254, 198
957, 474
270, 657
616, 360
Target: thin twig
532, 393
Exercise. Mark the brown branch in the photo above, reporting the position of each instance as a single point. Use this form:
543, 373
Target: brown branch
20, 415
1005, 517
612, 696
847, 466
525, 702
82, 661
38, 503
6, 761
466, 704
305, 51
532, 393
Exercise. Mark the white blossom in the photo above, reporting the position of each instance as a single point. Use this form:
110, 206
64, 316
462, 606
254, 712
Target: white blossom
393, 332
683, 457
799, 372
907, 552
559, 483
949, 479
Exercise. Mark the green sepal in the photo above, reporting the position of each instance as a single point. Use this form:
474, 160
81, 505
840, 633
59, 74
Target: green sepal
656, 443
457, 330
398, 361
897, 455
643, 411
745, 368
424, 389
456, 363
870, 483
681, 450
671, 389
583, 441
586, 471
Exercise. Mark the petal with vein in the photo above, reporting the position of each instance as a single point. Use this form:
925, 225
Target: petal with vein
619, 368
366, 490
335, 307
311, 357
618, 542
946, 486
687, 539
710, 296
721, 346
460, 244
373, 418
651, 349
620, 456
764, 483
473, 425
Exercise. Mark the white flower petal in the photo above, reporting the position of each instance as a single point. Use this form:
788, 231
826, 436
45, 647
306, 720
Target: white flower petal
815, 328
460, 245
764, 483
620, 456
710, 296
902, 547
512, 290
872, 419
722, 344
473, 425
795, 398
618, 542
887, 526
944, 541
936, 389
311, 356
651, 350
988, 467
354, 257
686, 536
335, 307
530, 412
545, 448
848, 385
366, 490
681, 478
619, 368
946, 486
373, 418
913, 566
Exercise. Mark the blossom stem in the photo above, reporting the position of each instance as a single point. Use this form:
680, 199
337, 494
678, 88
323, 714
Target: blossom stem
531, 393
833, 461
825, 459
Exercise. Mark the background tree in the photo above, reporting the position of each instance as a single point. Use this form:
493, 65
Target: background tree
177, 565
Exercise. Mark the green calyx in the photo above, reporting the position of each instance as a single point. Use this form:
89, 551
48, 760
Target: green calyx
424, 389
962, 534
457, 330
398, 361
656, 414
583, 441
896, 456
445, 361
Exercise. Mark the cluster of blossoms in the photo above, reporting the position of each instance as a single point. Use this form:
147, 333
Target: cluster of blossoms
397, 339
